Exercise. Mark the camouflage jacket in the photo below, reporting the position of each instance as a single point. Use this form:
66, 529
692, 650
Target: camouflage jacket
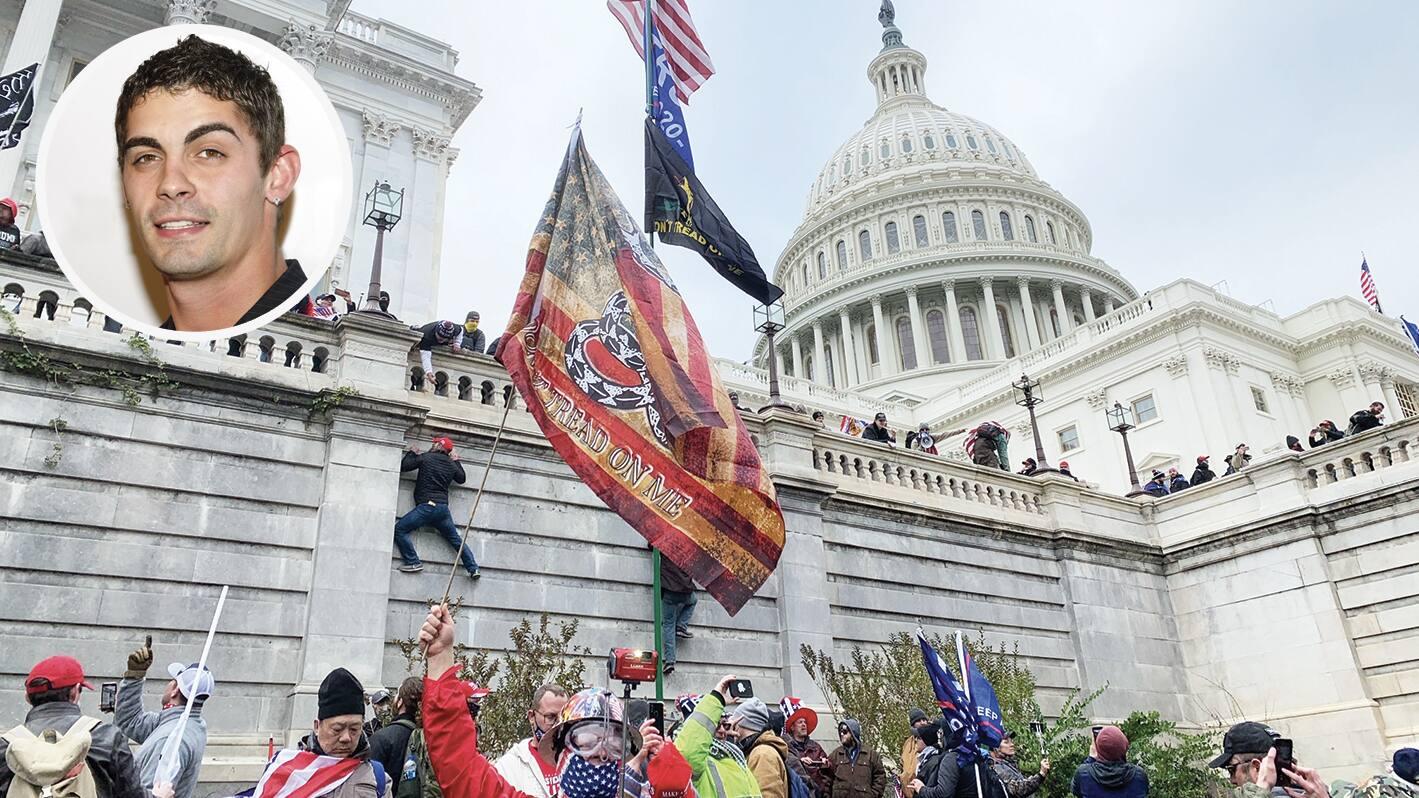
1383, 786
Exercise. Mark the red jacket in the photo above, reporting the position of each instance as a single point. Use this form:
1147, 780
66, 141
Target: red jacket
452, 738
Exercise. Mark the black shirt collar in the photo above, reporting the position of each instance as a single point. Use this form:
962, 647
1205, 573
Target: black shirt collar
280, 292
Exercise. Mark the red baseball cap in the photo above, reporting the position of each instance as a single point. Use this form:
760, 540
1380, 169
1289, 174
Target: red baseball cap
446, 443
55, 673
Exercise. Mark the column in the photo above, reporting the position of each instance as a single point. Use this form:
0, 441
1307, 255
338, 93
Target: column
923, 351
188, 12
992, 321
1108, 305
954, 338
30, 45
885, 362
778, 356
797, 356
305, 43
1028, 306
852, 373
1087, 297
1392, 411
1066, 321
820, 374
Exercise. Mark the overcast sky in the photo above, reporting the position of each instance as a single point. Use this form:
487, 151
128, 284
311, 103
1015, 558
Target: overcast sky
1263, 143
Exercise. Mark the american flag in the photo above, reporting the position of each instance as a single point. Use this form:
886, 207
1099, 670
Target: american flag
675, 32
1367, 286
303, 774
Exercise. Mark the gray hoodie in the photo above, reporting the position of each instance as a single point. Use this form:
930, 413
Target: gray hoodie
152, 729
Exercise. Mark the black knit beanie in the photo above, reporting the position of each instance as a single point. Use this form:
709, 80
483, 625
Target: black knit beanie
341, 694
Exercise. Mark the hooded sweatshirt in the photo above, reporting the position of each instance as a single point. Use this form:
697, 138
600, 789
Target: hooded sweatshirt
152, 730
1097, 779
767, 757
854, 772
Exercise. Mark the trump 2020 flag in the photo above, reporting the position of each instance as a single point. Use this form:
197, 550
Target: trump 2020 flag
955, 706
990, 726
604, 352
1411, 330
16, 104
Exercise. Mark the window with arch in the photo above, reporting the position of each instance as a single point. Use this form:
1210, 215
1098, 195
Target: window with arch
948, 224
822, 266
978, 225
1005, 337
906, 144
871, 333
842, 255
936, 336
951, 140
885, 150
833, 175
865, 157
828, 365
894, 241
990, 145
919, 230
970, 333
1006, 231
847, 165
1049, 232
928, 141
1030, 230
864, 245
1009, 153
905, 345
971, 141
805, 275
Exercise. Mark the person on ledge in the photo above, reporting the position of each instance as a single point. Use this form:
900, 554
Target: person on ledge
878, 431
438, 467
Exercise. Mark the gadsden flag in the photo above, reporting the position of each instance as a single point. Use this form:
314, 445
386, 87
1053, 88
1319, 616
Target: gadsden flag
604, 352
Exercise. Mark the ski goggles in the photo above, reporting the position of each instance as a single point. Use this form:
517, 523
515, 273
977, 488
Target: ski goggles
590, 739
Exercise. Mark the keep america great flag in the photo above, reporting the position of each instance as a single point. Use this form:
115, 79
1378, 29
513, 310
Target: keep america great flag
604, 351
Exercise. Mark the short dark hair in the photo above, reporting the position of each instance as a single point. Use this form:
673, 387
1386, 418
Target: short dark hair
541, 693
50, 696
217, 71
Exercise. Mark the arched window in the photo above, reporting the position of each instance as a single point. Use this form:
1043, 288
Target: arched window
822, 266
833, 175
990, 145
847, 165
978, 224
971, 141
865, 157
1005, 229
951, 140
828, 365
928, 141
905, 344
970, 331
1049, 232
864, 245
1009, 153
871, 332
1030, 230
885, 149
948, 224
842, 255
906, 144
1005, 336
805, 274
936, 336
894, 242
919, 230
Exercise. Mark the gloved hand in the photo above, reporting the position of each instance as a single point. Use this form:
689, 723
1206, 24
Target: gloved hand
139, 662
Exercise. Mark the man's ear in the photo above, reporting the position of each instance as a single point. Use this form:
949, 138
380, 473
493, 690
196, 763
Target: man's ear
281, 179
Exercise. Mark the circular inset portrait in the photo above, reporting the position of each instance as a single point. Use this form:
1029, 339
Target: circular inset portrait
194, 182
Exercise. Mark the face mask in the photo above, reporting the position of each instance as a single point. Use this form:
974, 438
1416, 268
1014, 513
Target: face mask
581, 779
471, 326
537, 733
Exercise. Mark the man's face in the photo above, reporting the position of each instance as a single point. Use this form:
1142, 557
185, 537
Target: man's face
1242, 769
340, 735
920, 723
548, 710
171, 695
845, 735
800, 727
5, 216
471, 325
1007, 747
1376, 408
722, 731
193, 181
880, 422
1172, 472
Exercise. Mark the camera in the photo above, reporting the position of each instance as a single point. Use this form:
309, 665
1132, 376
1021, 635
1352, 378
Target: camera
632, 665
108, 696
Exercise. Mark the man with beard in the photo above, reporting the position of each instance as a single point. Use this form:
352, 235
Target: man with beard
800, 723
338, 762
205, 166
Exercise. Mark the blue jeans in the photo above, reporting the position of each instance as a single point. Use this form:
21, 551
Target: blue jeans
438, 517
675, 611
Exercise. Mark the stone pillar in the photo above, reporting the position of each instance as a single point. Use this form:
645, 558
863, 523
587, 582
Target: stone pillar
1028, 306
1066, 321
956, 341
188, 12
852, 373
820, 374
29, 45
1086, 297
797, 356
1108, 305
886, 364
305, 43
992, 321
923, 351
371, 359
1392, 411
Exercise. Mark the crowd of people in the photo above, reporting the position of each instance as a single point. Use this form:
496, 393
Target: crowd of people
580, 744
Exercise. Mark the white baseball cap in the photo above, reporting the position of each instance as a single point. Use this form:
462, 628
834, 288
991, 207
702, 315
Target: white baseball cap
191, 682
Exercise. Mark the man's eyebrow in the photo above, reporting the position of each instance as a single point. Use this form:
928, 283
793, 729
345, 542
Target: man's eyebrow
211, 127
141, 141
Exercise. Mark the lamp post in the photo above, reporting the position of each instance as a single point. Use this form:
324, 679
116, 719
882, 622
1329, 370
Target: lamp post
383, 208
768, 319
1028, 394
1121, 421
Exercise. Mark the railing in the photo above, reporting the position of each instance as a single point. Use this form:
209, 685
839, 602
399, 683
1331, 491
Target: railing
360, 27
465, 377
1371, 451
862, 463
811, 395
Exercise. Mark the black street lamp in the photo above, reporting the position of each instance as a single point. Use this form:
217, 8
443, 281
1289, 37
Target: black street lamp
383, 209
1028, 394
768, 319
1121, 421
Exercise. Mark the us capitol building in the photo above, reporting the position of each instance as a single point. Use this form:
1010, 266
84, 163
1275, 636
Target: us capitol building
933, 267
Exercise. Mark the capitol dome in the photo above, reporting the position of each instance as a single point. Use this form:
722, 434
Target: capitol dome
930, 250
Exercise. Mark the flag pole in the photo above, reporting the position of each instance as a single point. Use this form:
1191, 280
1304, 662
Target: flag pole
966, 683
167, 760
478, 498
647, 42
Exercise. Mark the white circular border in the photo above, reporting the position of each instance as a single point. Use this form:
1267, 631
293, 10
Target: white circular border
72, 193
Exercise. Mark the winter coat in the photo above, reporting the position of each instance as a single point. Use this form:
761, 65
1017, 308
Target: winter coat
717, 769
1202, 474
1095, 779
1322, 436
1178, 483
390, 745
809, 749
1155, 488
475, 341
115, 771
673, 578
1235, 463
151, 731
436, 470
1017, 784
768, 761
882, 435
908, 762
927, 763
522, 770
858, 774
1362, 421
952, 781
429, 337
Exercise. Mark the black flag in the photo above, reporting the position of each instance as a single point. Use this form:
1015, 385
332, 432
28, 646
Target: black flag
16, 104
681, 212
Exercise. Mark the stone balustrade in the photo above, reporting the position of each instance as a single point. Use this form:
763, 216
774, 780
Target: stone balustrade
1376, 450
464, 376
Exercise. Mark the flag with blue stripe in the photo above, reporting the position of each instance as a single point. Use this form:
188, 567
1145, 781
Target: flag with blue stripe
990, 725
666, 108
1412, 330
955, 707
